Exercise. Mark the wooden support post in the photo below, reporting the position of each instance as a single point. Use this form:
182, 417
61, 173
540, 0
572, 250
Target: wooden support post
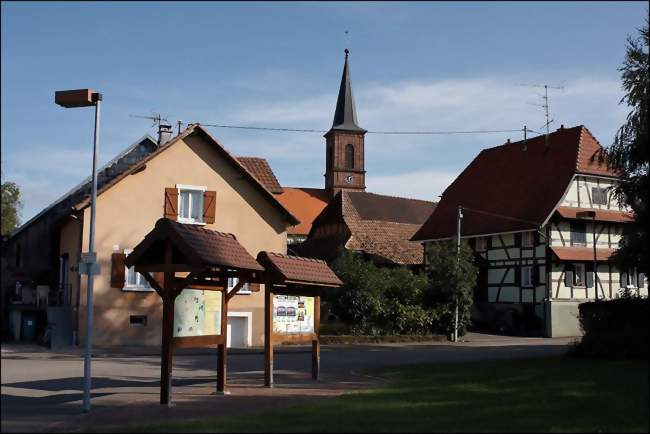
315, 343
268, 334
222, 352
167, 351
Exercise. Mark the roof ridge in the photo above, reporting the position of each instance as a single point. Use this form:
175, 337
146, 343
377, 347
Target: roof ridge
397, 197
300, 258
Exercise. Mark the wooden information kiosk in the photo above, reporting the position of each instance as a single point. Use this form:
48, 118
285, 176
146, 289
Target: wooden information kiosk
205, 259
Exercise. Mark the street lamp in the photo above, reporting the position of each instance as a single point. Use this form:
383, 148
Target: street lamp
592, 216
87, 98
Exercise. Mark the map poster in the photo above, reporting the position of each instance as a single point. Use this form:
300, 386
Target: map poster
197, 313
292, 314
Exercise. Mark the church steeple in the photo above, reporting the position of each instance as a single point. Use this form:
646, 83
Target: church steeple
345, 116
345, 142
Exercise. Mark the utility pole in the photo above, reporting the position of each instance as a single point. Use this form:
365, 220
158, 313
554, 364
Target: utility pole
460, 217
593, 226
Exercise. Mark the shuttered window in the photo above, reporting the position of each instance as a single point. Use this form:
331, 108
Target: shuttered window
599, 195
190, 204
578, 234
134, 281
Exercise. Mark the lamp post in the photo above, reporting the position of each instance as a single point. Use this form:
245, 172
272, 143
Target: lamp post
592, 216
87, 98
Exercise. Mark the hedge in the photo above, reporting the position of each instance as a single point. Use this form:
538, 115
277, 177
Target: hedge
615, 328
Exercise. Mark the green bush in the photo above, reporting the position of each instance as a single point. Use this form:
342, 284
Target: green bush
614, 328
379, 301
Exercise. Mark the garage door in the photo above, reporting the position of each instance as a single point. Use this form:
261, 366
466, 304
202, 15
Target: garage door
237, 332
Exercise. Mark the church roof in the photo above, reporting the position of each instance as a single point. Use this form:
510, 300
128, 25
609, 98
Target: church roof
516, 186
380, 226
345, 117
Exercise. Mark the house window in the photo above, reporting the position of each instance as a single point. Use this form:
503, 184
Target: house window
138, 320
134, 281
579, 275
527, 276
233, 281
190, 203
349, 157
578, 234
527, 239
599, 195
631, 278
481, 244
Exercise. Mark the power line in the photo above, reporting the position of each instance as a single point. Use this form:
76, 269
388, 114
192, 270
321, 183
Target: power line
500, 216
298, 130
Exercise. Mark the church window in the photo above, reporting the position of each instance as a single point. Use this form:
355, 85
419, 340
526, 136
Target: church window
349, 157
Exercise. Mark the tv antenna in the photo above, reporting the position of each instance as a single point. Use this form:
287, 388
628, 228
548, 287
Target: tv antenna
155, 117
164, 127
545, 106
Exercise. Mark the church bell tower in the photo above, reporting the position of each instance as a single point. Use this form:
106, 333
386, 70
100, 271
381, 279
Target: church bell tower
344, 143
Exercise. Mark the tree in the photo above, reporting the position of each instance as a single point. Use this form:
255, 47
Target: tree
11, 206
629, 153
452, 277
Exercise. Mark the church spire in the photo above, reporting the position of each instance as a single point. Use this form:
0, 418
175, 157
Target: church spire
345, 117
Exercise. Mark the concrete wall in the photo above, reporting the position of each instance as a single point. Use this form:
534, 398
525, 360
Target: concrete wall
128, 211
562, 319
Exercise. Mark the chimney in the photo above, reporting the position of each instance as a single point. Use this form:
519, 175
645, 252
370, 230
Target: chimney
164, 133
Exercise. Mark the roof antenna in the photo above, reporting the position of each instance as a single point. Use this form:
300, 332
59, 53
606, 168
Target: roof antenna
164, 129
545, 106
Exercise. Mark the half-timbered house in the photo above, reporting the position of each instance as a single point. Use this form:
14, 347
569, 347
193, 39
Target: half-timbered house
528, 209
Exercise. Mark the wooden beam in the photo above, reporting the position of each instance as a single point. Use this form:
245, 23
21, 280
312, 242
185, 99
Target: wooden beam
268, 334
167, 332
242, 281
315, 344
153, 283
222, 352
197, 341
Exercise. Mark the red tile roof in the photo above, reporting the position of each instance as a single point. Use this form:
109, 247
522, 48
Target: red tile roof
260, 168
295, 269
380, 226
305, 204
582, 253
515, 186
198, 245
602, 215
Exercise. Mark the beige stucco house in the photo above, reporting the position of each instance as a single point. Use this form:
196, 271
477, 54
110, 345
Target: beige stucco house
190, 178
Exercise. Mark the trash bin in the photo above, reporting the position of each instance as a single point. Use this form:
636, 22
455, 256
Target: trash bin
28, 327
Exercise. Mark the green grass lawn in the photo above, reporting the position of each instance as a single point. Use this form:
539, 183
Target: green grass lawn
539, 395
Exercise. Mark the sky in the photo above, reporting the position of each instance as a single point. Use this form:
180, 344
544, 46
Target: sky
414, 66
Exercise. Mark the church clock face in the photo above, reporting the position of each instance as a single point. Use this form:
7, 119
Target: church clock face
349, 179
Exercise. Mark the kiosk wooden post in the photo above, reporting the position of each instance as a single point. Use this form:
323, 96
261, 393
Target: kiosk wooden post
221, 348
315, 343
268, 334
167, 353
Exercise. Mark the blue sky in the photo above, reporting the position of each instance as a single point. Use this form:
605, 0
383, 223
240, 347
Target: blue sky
415, 66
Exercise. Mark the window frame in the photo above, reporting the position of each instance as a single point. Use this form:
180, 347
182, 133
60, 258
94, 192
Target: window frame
529, 282
576, 266
604, 191
349, 156
138, 287
572, 226
481, 244
631, 273
191, 188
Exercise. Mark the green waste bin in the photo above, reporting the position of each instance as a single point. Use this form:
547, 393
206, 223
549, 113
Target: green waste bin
28, 327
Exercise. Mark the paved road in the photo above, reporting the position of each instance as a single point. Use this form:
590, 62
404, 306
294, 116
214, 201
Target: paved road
41, 389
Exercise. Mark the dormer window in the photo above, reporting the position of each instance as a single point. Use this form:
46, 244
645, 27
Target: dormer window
349, 157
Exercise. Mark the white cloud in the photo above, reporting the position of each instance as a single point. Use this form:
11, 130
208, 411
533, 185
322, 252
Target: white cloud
412, 166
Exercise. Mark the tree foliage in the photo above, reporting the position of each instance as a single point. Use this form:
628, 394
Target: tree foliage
389, 301
379, 301
629, 152
11, 206
452, 277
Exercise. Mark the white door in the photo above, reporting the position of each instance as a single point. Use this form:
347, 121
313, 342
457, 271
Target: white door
237, 332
